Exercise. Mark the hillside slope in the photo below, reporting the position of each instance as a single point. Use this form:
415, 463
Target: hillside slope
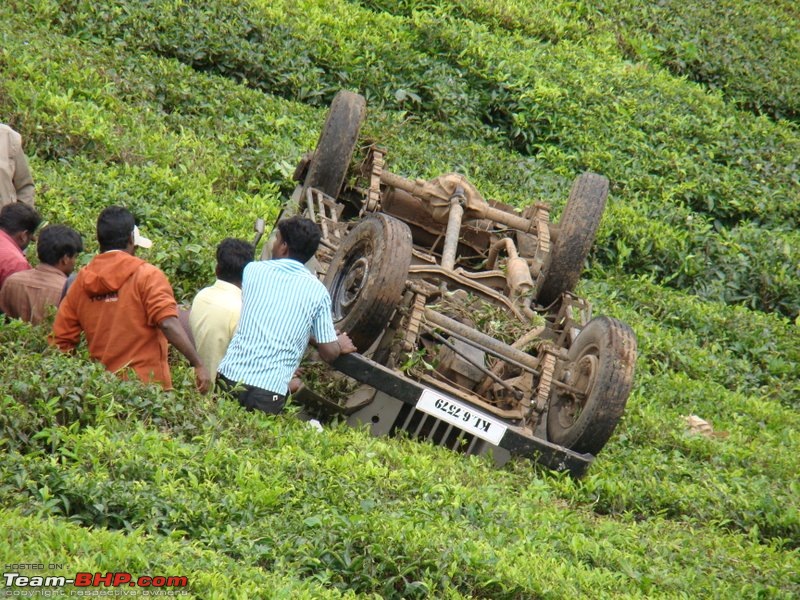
193, 115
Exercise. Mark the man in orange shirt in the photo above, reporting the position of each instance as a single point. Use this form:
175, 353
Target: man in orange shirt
27, 294
126, 308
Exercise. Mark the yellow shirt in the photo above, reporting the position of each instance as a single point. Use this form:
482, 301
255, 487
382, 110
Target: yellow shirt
214, 317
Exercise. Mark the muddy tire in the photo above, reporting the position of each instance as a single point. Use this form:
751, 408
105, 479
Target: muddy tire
367, 275
601, 363
575, 235
336, 143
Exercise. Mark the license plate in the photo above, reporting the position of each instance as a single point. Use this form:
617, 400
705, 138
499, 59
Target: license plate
462, 416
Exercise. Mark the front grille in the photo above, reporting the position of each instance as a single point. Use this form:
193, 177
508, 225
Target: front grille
422, 426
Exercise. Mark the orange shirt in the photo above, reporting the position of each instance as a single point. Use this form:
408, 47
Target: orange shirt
118, 301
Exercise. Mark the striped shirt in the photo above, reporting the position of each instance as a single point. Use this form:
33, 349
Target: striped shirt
282, 305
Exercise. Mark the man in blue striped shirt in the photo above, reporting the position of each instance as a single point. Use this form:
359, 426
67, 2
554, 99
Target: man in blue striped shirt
283, 305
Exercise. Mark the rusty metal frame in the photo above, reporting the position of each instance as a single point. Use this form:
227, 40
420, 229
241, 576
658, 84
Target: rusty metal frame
516, 440
460, 225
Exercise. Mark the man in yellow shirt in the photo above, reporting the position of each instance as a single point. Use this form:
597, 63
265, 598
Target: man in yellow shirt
216, 309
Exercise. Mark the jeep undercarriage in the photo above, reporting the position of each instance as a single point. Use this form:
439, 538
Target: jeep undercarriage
462, 308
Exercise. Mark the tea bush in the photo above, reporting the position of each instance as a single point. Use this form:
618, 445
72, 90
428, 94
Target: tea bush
371, 515
209, 574
194, 114
748, 50
701, 164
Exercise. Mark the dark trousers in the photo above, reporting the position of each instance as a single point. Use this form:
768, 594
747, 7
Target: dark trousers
251, 397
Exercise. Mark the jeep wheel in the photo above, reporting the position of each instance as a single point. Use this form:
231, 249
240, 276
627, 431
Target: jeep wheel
338, 138
574, 237
367, 276
600, 365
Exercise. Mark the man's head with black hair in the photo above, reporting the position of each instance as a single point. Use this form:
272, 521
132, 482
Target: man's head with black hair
298, 238
115, 229
58, 246
232, 256
19, 221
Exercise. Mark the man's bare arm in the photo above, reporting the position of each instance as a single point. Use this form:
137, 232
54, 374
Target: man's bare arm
332, 350
176, 335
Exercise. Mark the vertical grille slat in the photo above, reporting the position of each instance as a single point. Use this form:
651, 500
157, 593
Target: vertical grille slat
422, 426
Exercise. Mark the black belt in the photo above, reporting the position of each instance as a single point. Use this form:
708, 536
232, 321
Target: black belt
252, 397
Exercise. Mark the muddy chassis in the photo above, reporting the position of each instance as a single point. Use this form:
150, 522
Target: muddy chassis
462, 309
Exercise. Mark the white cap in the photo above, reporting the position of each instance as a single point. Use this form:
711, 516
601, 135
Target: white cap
140, 240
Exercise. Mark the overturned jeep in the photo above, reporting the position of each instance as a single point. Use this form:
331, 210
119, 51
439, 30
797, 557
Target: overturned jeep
462, 308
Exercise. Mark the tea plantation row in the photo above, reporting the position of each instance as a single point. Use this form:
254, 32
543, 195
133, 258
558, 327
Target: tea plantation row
697, 180
193, 115
365, 515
